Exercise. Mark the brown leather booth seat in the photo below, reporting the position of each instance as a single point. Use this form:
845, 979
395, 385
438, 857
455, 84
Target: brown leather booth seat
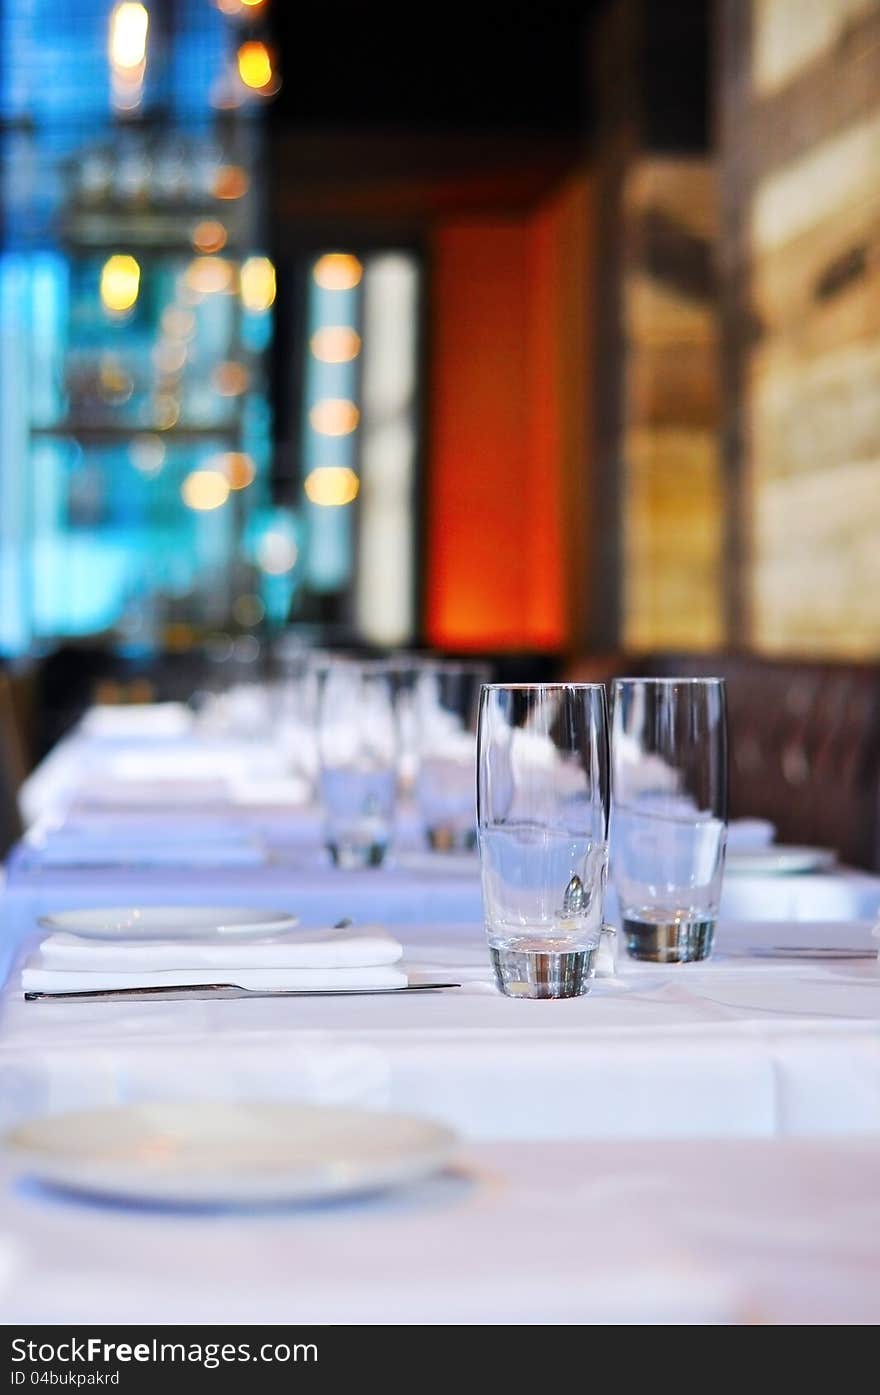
804, 742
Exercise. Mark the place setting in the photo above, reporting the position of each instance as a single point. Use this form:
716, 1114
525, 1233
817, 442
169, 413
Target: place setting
439, 678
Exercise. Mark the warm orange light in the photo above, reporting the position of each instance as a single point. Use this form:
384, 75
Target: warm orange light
334, 416
208, 275
276, 553
178, 323
337, 271
120, 283
252, 4
336, 344
230, 379
204, 489
209, 236
231, 182
257, 284
254, 64
229, 7
332, 485
128, 36
237, 467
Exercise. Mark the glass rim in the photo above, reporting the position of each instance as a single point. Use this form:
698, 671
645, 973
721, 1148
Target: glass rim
673, 682
543, 687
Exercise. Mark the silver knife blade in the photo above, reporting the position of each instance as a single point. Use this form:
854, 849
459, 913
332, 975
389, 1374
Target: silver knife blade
810, 952
193, 992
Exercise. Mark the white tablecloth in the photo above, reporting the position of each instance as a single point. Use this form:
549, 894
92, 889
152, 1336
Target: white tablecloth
602, 1232
736, 1047
689, 1142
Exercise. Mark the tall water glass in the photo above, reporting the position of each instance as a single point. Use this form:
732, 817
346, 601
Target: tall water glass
358, 763
669, 820
447, 710
542, 814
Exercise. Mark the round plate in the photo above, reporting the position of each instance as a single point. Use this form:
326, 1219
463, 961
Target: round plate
228, 1151
778, 861
170, 922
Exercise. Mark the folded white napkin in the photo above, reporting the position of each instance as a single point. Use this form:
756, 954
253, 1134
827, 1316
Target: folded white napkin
35, 979
354, 947
317, 959
138, 721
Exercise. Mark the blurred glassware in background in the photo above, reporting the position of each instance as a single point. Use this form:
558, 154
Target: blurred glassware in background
404, 670
447, 707
357, 744
542, 808
669, 830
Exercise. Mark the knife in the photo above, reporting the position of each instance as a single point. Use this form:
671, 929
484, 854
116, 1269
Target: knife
192, 992
809, 952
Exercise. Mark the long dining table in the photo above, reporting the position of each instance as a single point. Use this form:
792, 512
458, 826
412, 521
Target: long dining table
694, 1143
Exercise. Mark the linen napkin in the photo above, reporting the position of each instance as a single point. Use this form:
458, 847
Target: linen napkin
355, 957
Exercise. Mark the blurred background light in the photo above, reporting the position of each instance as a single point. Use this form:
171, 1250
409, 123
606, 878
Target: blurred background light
336, 344
147, 455
248, 610
166, 410
276, 553
231, 182
129, 23
120, 283
209, 275
237, 467
209, 235
257, 284
178, 323
334, 416
337, 271
169, 356
203, 490
230, 379
127, 52
331, 486
254, 64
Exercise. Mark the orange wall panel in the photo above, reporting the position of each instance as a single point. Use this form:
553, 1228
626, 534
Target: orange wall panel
477, 435
506, 434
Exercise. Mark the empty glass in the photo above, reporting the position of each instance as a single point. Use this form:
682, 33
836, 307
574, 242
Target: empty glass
358, 758
542, 812
447, 710
669, 821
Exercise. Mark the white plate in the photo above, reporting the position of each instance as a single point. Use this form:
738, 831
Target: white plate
779, 861
170, 922
216, 1151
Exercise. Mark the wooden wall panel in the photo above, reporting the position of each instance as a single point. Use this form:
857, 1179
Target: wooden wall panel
672, 503
801, 169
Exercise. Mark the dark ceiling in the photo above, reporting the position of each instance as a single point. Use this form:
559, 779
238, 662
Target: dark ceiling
522, 69
434, 67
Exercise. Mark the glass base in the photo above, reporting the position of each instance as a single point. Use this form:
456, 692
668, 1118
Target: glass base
534, 973
352, 856
683, 940
452, 839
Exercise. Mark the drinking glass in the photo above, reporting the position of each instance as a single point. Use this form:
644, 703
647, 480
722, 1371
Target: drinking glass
542, 814
358, 757
669, 819
447, 711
